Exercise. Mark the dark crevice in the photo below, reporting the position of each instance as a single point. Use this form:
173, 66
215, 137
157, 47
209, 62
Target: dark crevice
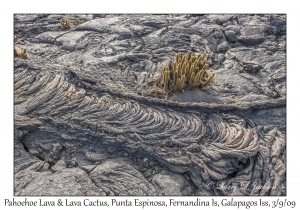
28, 151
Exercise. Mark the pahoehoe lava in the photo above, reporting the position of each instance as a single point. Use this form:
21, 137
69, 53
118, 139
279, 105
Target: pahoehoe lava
84, 122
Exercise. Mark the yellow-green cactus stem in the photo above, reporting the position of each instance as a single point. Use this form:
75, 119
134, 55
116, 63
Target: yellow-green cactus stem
205, 67
180, 55
208, 80
179, 72
182, 81
196, 79
176, 88
179, 61
175, 76
184, 67
166, 79
201, 73
173, 66
192, 77
163, 71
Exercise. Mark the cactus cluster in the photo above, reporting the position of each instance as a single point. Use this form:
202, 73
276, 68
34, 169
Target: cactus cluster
79, 21
187, 71
65, 23
21, 53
